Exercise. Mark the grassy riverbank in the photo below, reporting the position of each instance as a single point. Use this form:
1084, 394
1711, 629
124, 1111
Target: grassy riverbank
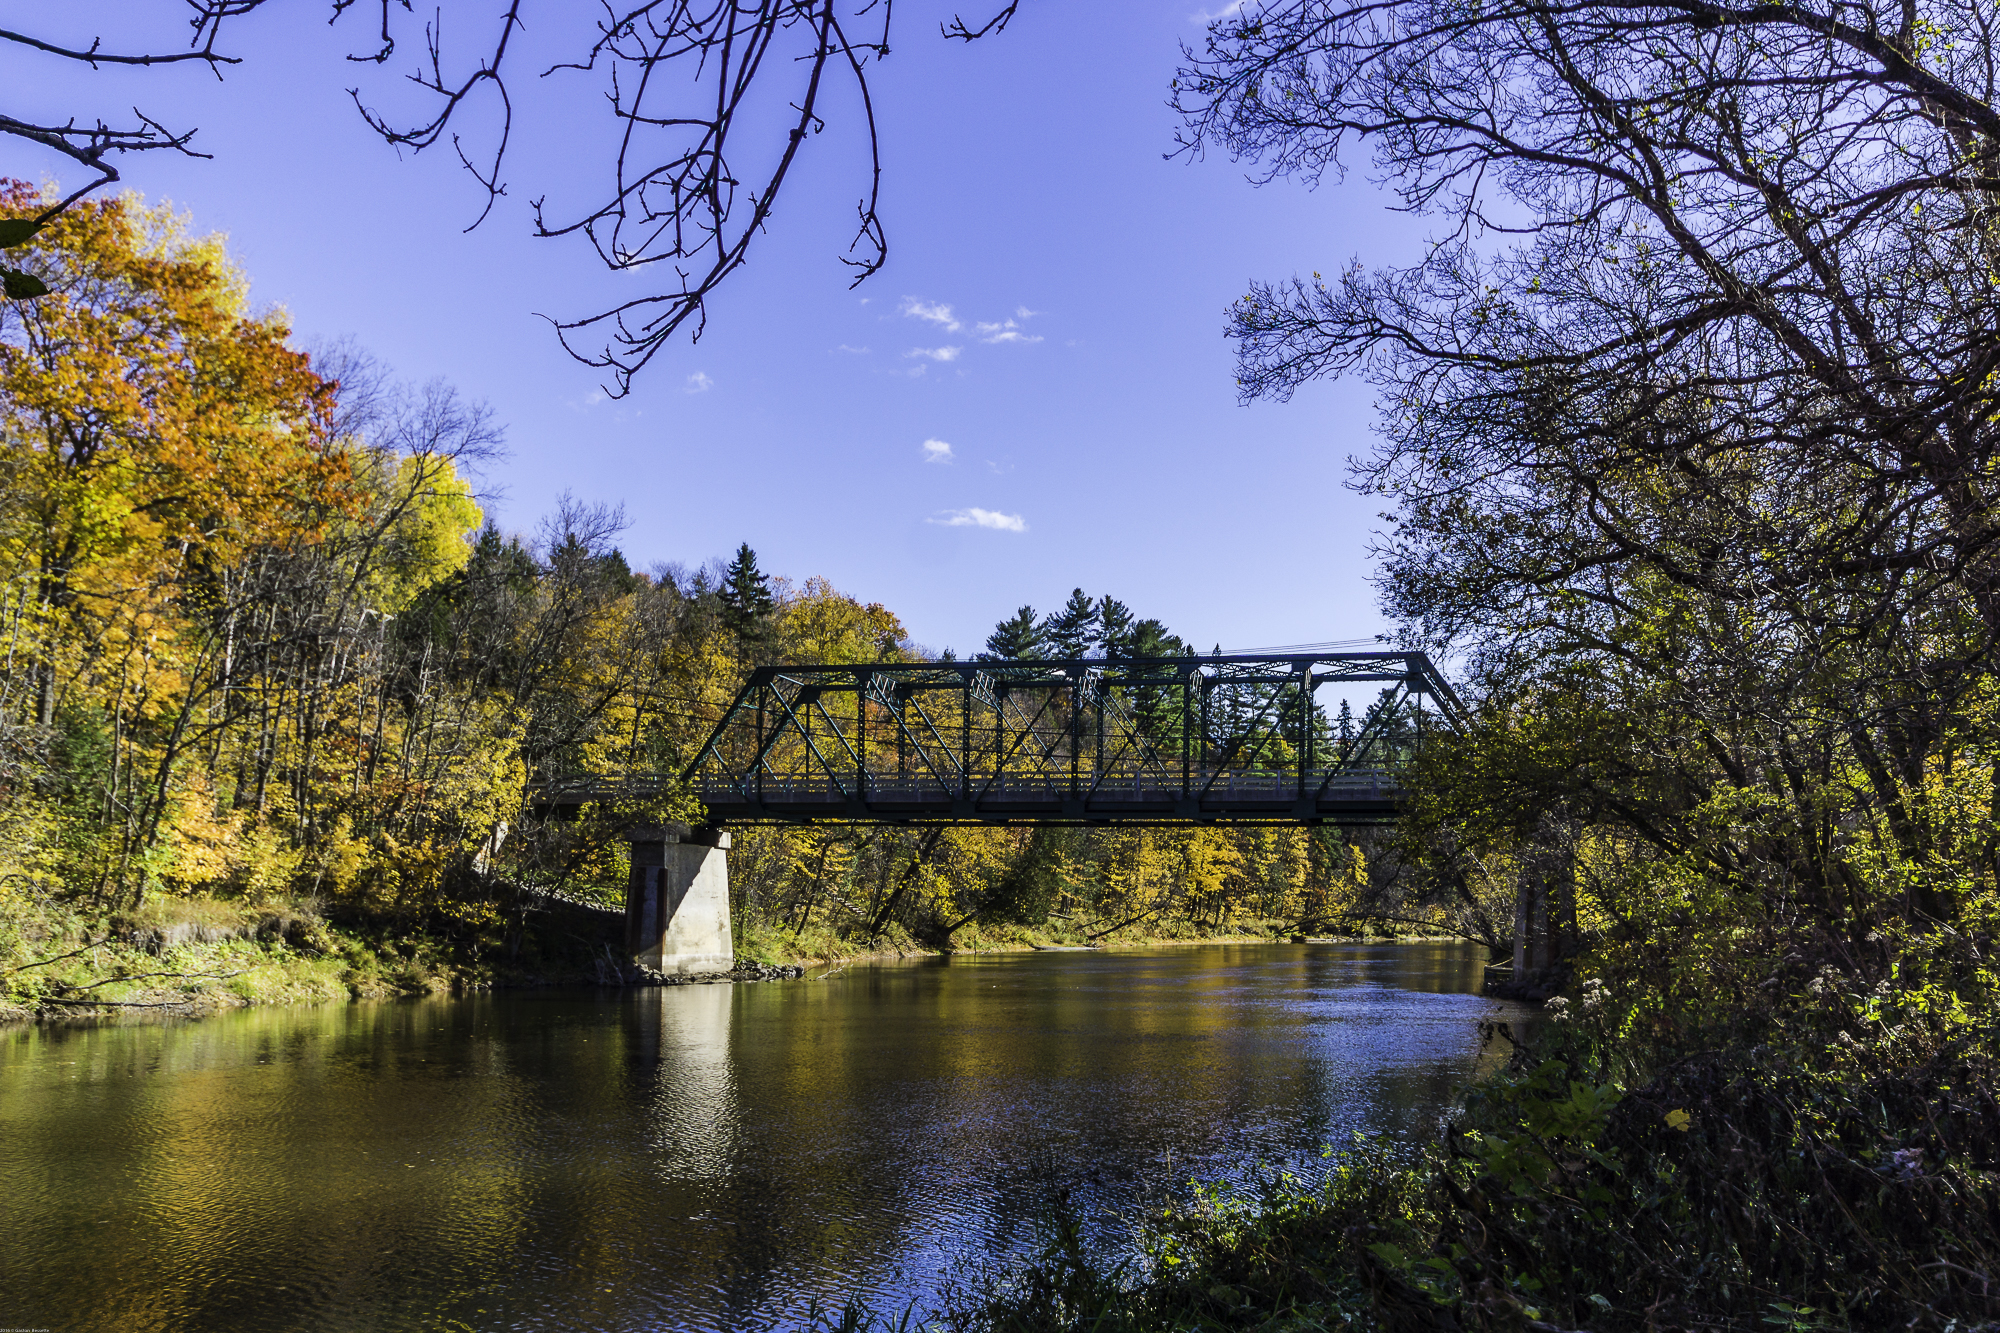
194, 956
188, 956
774, 942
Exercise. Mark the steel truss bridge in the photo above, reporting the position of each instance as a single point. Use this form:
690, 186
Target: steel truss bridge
1225, 738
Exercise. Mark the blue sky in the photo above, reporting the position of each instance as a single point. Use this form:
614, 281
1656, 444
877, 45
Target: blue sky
1095, 441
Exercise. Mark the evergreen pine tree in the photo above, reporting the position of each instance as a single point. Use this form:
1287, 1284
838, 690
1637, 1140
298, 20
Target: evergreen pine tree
1072, 631
617, 573
1158, 714
1016, 638
1114, 626
1149, 638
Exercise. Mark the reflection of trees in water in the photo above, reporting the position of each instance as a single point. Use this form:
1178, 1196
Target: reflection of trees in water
994, 1090
728, 1154
264, 1168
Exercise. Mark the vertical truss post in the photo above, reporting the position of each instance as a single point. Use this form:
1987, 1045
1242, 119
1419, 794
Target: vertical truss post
1207, 721
1098, 700
1187, 733
965, 739
1075, 726
757, 755
1305, 750
861, 735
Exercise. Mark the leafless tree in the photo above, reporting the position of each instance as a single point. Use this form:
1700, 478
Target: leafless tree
1688, 236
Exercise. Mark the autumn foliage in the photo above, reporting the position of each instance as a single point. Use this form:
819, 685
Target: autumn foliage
259, 642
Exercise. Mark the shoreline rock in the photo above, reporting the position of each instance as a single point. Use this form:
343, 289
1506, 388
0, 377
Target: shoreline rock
744, 971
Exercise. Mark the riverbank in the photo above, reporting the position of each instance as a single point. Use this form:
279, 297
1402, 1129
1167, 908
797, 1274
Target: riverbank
1820, 1155
189, 957
186, 957
773, 943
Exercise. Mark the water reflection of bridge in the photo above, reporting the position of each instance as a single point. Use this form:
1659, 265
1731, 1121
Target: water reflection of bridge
1177, 740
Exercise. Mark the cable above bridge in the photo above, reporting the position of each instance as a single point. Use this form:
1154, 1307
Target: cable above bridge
1237, 738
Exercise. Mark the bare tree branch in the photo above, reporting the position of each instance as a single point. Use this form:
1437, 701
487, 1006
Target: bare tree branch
685, 82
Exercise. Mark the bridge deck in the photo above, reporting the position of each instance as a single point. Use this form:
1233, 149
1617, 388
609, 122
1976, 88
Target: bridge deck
1361, 798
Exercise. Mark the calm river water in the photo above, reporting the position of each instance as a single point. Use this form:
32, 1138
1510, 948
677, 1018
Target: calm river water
704, 1157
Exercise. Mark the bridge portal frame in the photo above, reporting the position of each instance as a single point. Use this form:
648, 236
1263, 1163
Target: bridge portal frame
1072, 741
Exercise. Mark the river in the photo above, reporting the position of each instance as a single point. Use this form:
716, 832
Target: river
701, 1157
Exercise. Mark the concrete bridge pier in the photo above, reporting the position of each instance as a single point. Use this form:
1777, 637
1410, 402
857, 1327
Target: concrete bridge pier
677, 901
1545, 926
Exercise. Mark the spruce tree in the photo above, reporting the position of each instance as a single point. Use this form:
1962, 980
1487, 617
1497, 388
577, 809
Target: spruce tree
1017, 637
748, 607
1072, 631
746, 593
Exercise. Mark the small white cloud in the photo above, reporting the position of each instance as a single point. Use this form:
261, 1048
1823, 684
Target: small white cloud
1007, 332
698, 383
980, 518
1205, 17
937, 451
935, 353
939, 315
1022, 312
852, 351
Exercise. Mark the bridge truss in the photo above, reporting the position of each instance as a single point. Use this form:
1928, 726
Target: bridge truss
1235, 739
